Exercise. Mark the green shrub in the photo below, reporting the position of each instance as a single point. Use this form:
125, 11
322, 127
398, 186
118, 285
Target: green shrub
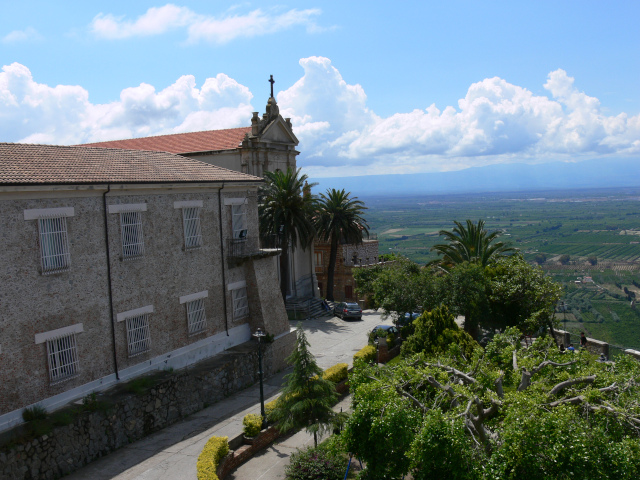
315, 464
209, 459
337, 373
139, 386
368, 354
37, 412
269, 406
252, 424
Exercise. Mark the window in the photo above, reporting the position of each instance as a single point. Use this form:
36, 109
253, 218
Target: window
52, 237
318, 260
196, 318
132, 236
130, 228
191, 222
62, 354
138, 332
54, 245
239, 298
239, 222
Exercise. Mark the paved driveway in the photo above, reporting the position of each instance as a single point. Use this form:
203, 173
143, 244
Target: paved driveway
173, 452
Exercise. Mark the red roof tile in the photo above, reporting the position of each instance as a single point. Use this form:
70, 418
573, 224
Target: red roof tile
182, 142
22, 164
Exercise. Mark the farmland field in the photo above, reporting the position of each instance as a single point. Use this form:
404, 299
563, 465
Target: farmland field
604, 224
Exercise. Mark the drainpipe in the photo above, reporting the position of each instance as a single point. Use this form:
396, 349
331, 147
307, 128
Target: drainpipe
106, 243
224, 281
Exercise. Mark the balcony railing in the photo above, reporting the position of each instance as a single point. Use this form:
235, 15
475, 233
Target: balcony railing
238, 248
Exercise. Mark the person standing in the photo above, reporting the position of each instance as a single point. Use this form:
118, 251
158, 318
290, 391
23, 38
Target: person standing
583, 340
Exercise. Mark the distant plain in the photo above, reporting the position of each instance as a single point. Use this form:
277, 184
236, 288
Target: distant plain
600, 223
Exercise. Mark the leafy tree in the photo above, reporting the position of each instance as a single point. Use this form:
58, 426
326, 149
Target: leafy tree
307, 399
470, 243
540, 258
593, 260
285, 211
554, 416
465, 289
520, 295
397, 288
564, 259
339, 219
434, 332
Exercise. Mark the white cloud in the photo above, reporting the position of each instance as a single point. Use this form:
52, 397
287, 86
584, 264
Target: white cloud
207, 28
29, 34
36, 113
495, 122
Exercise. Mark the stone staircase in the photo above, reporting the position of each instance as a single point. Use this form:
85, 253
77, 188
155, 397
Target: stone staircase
308, 307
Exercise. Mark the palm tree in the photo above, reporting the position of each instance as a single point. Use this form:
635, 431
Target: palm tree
469, 244
285, 210
339, 219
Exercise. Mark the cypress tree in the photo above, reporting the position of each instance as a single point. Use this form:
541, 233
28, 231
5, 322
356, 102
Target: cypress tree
307, 398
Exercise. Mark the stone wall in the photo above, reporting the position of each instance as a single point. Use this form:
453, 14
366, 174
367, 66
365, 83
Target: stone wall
130, 417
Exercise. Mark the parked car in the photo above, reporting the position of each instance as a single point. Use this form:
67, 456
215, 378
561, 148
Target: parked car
407, 319
387, 329
348, 310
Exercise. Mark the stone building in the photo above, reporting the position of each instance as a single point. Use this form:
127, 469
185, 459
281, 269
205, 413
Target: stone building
269, 144
116, 262
349, 256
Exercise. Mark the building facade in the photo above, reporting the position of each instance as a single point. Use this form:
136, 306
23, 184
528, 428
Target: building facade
269, 144
349, 256
117, 262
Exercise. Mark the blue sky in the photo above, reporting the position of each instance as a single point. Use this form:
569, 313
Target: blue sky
372, 87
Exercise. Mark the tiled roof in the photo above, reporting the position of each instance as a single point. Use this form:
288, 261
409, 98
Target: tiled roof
22, 164
182, 142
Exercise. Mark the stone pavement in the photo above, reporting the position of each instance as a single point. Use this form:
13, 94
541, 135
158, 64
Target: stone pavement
172, 453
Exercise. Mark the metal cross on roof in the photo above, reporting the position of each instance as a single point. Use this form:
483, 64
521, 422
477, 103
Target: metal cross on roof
272, 81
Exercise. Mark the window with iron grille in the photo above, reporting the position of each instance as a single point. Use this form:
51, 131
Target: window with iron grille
191, 225
240, 303
196, 318
239, 221
62, 356
132, 236
138, 334
54, 244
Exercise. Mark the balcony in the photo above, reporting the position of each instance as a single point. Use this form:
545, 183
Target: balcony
243, 248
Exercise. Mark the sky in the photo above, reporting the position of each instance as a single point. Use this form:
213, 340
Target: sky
371, 87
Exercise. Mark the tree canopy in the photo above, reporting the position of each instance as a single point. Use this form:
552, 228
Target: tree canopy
540, 414
470, 243
339, 219
286, 212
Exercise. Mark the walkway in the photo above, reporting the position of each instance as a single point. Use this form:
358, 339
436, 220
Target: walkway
172, 453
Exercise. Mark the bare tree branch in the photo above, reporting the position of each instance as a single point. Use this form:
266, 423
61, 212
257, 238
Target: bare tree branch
463, 376
568, 383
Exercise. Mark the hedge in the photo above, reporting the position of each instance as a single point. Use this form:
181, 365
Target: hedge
368, 354
252, 424
214, 451
337, 373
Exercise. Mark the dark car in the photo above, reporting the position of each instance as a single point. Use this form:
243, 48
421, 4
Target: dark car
387, 329
407, 319
348, 310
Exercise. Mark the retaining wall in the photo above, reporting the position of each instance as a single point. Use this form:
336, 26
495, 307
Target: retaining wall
130, 417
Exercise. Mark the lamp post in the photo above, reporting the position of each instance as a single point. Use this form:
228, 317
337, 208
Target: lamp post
260, 335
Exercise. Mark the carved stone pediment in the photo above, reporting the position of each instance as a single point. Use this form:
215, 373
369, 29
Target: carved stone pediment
278, 131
